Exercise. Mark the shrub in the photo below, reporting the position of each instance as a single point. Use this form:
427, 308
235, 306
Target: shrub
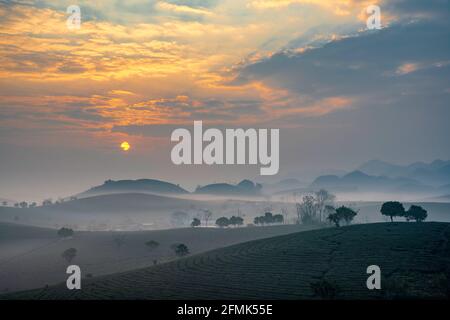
69, 254
180, 249
65, 232
196, 222
152, 244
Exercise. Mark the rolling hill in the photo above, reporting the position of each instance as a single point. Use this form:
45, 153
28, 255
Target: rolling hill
243, 188
30, 257
133, 186
414, 259
110, 209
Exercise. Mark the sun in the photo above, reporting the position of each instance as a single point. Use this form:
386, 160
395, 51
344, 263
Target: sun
125, 146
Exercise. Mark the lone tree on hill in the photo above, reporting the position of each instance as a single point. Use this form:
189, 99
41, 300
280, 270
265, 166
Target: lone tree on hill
195, 222
416, 213
392, 209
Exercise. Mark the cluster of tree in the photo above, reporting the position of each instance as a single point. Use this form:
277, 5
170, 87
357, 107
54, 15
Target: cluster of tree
269, 218
22, 204
226, 222
395, 209
65, 232
314, 208
341, 214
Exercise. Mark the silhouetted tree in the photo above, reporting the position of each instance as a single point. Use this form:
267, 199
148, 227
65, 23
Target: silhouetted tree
69, 254
346, 214
223, 222
180, 249
33, 205
195, 222
416, 213
392, 209
47, 202
236, 221
5, 203
278, 218
341, 214
23, 204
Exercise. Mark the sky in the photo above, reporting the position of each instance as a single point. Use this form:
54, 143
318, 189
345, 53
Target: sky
136, 70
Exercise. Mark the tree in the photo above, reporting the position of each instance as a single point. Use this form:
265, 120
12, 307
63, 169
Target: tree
65, 232
307, 210
236, 221
346, 214
206, 216
180, 249
196, 222
152, 245
278, 218
323, 198
23, 204
416, 213
33, 205
223, 222
5, 203
334, 218
69, 254
341, 214
392, 209
47, 202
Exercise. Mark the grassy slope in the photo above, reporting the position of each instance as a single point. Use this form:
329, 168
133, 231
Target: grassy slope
413, 258
30, 257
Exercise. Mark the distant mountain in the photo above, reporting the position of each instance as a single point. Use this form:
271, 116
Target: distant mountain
359, 181
243, 188
141, 185
434, 173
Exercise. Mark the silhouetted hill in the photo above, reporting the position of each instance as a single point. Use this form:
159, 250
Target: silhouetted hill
243, 188
359, 181
141, 185
414, 259
434, 173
